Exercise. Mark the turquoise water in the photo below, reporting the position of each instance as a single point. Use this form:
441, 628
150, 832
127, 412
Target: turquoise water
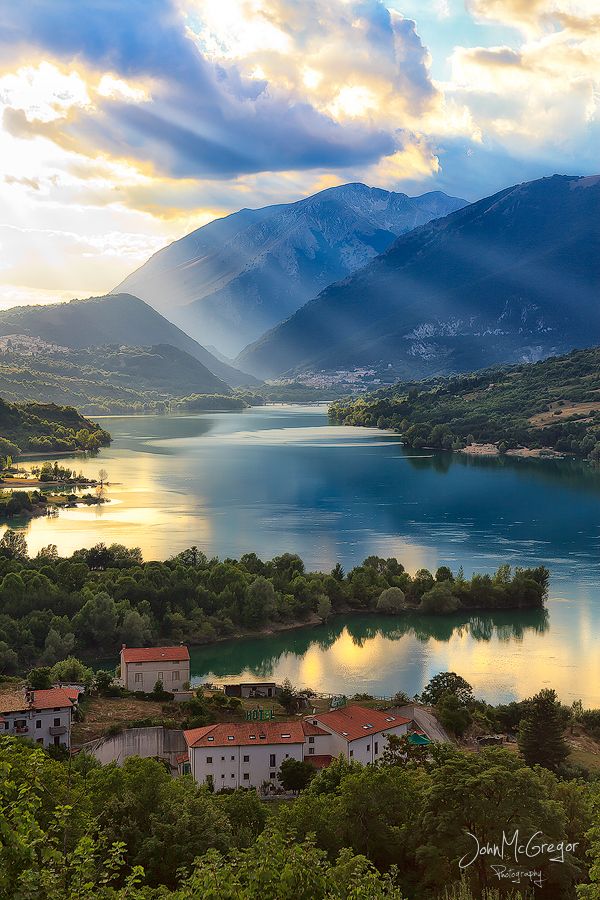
282, 479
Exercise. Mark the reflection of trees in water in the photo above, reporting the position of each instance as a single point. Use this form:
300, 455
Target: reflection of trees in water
575, 474
260, 656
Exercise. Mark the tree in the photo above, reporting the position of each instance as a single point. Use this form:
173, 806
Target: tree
541, 738
40, 679
439, 599
102, 476
96, 622
391, 601
104, 680
287, 696
453, 715
57, 646
72, 670
447, 683
295, 774
324, 608
9, 661
13, 545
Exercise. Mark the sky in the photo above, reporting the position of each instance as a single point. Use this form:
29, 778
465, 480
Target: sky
125, 124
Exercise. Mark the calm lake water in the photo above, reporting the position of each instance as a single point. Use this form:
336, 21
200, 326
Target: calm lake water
282, 479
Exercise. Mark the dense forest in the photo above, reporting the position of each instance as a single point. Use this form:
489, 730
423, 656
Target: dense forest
97, 599
552, 404
38, 427
75, 830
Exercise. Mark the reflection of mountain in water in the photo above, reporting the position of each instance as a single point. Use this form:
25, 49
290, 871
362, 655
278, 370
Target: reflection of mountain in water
261, 655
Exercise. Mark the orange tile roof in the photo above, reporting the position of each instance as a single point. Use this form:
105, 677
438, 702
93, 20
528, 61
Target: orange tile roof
311, 729
154, 654
319, 762
353, 722
50, 699
245, 734
12, 701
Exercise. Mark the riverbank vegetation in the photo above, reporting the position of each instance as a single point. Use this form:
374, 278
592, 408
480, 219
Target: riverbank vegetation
395, 830
41, 428
99, 598
552, 404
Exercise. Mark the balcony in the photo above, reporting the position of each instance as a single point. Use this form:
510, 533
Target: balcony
57, 729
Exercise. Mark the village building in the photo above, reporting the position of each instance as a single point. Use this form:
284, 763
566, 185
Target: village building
359, 733
250, 689
42, 716
231, 755
142, 667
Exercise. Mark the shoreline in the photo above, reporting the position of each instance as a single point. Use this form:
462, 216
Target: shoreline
314, 621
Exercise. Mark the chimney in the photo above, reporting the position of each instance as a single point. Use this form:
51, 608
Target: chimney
123, 646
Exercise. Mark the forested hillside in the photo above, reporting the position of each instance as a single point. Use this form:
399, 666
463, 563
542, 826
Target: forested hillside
37, 427
112, 378
552, 404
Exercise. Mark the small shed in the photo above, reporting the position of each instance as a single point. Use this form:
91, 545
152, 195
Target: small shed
250, 689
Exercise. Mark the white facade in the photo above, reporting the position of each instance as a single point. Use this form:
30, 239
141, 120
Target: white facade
242, 755
48, 726
366, 748
141, 668
243, 766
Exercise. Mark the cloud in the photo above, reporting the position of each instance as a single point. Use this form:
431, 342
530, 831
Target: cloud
193, 114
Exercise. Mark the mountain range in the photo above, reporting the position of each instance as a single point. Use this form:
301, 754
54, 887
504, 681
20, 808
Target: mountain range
510, 278
118, 319
229, 281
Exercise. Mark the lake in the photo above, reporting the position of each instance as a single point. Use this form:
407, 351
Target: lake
279, 479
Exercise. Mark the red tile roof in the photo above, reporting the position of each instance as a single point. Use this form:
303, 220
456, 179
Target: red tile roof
245, 734
72, 693
353, 722
319, 762
182, 758
310, 729
52, 698
154, 654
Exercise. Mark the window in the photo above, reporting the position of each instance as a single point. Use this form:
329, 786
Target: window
246, 759
232, 758
209, 759
210, 739
232, 775
175, 676
246, 776
352, 753
223, 775
161, 677
38, 723
311, 749
56, 721
222, 759
311, 740
272, 759
368, 747
6, 726
138, 677
230, 737
271, 774
376, 746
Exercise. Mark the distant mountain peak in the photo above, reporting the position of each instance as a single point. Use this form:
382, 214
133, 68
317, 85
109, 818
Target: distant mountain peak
229, 281
511, 277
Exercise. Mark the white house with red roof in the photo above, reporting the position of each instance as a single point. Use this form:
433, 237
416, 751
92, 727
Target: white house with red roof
359, 733
142, 667
42, 716
247, 754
